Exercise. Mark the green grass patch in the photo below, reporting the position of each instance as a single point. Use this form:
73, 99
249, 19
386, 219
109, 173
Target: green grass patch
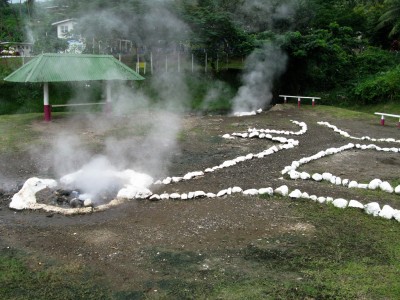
26, 278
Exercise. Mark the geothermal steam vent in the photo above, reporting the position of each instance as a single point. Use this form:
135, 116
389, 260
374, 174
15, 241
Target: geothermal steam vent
95, 187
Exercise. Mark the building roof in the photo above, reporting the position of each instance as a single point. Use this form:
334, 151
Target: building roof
54, 67
64, 21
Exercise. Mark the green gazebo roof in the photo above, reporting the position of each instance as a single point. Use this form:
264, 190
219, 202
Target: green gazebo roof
54, 67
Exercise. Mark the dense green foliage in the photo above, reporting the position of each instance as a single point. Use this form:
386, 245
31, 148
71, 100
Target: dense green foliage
335, 47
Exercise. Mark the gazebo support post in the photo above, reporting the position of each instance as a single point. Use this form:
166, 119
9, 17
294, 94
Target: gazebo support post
108, 97
46, 104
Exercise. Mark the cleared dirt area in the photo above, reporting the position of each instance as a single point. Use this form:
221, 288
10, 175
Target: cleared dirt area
137, 245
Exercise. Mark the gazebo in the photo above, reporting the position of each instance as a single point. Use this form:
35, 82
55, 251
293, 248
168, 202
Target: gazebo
55, 67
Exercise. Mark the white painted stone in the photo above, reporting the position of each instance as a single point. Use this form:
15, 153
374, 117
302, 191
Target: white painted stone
397, 189
321, 199
177, 179
305, 195
338, 181
363, 186
353, 184
374, 184
386, 187
305, 175
326, 176
249, 156
175, 196
372, 208
236, 189
190, 195
251, 192
164, 196
340, 203
294, 175
356, 204
221, 193
208, 170
184, 196
345, 182
333, 180
87, 202
266, 191
317, 177
329, 199
396, 215
155, 197
295, 194
26, 196
158, 182
282, 190
199, 194
313, 197
211, 195
167, 180
387, 212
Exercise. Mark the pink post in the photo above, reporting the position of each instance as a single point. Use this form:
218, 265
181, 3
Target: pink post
298, 102
47, 106
313, 102
383, 120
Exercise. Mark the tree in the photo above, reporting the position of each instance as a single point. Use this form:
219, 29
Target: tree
391, 18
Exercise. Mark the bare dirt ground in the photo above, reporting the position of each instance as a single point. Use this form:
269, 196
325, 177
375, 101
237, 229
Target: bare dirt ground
121, 244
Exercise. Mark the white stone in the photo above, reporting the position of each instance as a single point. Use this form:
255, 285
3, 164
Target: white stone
326, 176
321, 199
387, 212
199, 194
26, 196
305, 195
294, 175
329, 199
345, 182
251, 192
211, 195
386, 187
184, 196
84, 196
305, 175
87, 202
397, 189
356, 204
295, 194
266, 191
282, 190
175, 196
363, 186
190, 195
340, 203
338, 181
313, 197
372, 208
155, 197
222, 193
236, 189
167, 180
317, 177
374, 184
396, 215
164, 196
353, 184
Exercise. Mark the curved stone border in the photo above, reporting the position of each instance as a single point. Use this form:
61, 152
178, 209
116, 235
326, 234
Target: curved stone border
252, 133
346, 134
385, 186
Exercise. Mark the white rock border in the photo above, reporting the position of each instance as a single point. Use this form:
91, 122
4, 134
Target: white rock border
347, 135
336, 180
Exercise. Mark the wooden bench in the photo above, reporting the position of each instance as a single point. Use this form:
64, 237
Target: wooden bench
383, 115
299, 99
78, 104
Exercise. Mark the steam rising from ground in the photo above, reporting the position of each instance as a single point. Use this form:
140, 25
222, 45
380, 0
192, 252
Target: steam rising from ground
263, 66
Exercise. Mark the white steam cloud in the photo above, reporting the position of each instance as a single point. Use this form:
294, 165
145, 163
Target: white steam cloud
263, 66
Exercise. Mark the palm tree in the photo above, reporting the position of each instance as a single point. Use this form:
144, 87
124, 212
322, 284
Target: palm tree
391, 18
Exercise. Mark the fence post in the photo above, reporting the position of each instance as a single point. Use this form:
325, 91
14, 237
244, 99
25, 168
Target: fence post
298, 102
